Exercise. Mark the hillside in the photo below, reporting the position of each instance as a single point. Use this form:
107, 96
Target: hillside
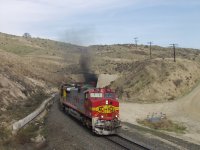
142, 79
31, 63
31, 68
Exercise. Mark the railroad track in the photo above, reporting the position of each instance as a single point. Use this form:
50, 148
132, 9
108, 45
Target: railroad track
126, 143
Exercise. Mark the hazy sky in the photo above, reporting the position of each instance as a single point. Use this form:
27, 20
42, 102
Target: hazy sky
105, 21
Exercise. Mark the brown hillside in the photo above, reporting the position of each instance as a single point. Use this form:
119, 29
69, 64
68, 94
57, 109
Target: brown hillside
148, 80
33, 67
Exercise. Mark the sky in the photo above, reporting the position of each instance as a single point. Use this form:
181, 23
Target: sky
89, 22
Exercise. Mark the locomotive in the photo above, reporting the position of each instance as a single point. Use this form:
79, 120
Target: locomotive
96, 108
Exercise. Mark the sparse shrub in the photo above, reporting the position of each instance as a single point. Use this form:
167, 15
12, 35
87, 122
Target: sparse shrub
4, 133
167, 73
137, 89
25, 135
27, 105
27, 35
127, 95
171, 98
119, 91
25, 92
177, 82
164, 124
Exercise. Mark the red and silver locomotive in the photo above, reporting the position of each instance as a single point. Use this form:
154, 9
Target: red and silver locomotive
97, 108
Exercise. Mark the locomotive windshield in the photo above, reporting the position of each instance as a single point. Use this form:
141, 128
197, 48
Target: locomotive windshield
109, 95
96, 95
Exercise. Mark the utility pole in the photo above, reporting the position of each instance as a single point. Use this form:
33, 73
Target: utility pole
136, 40
174, 49
150, 44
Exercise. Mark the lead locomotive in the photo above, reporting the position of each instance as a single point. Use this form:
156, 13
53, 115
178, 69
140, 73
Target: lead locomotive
97, 108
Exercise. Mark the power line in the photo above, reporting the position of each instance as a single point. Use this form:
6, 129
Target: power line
150, 44
174, 49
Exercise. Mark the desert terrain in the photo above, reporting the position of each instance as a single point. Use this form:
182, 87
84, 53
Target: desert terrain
33, 68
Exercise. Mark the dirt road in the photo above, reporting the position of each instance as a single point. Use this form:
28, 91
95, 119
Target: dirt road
185, 110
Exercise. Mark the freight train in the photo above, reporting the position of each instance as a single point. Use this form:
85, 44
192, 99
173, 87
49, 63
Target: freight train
96, 108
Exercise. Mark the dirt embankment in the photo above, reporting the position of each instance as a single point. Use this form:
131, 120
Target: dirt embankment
105, 80
30, 69
156, 80
146, 80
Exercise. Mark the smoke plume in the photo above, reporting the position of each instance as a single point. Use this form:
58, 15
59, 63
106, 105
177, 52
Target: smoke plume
80, 35
85, 62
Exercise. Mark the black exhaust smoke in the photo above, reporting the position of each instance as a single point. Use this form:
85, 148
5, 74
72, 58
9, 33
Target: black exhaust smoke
85, 62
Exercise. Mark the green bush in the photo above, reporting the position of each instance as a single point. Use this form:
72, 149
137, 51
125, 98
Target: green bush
25, 135
4, 133
164, 124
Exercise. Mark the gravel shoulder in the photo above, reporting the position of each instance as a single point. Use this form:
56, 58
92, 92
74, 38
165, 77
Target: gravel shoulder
154, 139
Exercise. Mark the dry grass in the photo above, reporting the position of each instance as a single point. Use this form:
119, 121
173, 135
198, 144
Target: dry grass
25, 135
164, 124
147, 80
22, 109
29, 70
141, 79
4, 133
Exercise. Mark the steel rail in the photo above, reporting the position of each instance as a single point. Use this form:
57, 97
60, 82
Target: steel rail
126, 143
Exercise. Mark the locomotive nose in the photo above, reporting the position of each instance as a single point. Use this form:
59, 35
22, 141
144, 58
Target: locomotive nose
107, 109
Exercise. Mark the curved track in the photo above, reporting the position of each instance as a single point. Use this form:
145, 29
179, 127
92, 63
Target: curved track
65, 132
125, 143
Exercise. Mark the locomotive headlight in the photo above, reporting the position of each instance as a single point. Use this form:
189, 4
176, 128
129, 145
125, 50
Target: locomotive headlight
116, 116
101, 116
106, 102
